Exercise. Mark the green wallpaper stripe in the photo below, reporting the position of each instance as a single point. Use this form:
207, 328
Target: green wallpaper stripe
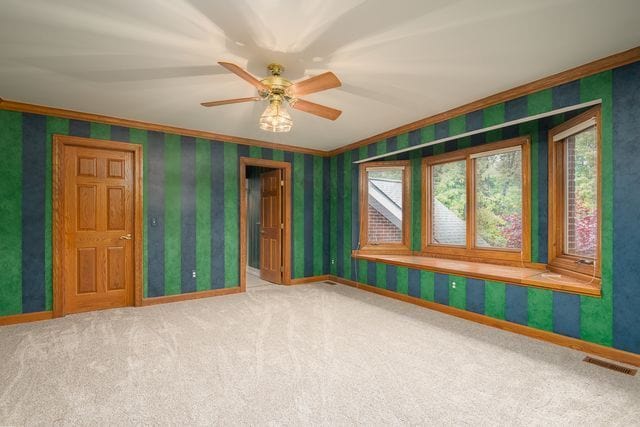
347, 214
494, 115
362, 271
495, 299
278, 155
60, 126
596, 315
427, 285
402, 141
428, 134
255, 152
333, 221
231, 214
203, 214
172, 215
458, 294
318, 232
540, 102
100, 131
298, 215
402, 281
540, 308
11, 212
416, 206
458, 125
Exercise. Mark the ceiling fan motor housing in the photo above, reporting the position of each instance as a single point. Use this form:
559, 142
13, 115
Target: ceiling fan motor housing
277, 85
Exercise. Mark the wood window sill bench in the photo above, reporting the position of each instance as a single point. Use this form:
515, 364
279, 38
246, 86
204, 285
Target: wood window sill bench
525, 276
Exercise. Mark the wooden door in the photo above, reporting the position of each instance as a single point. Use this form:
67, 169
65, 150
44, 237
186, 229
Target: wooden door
98, 207
271, 226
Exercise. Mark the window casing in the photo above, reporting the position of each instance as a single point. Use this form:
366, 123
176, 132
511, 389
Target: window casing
476, 203
385, 207
575, 195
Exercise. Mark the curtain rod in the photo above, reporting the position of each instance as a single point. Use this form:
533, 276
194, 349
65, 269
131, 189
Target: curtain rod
487, 129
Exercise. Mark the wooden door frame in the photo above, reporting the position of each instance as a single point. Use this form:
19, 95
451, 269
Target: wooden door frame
59, 143
286, 239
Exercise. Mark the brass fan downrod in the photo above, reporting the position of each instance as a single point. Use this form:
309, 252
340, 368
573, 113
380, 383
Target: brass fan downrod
275, 69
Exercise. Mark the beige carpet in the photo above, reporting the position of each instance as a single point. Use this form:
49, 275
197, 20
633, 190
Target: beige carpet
300, 355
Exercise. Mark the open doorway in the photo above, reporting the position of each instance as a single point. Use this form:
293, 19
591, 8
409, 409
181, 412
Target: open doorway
265, 208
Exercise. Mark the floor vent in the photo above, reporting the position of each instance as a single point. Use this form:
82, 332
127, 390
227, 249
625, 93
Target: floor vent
330, 283
609, 365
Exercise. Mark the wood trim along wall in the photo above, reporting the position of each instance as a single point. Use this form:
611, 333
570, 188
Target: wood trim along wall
190, 296
311, 279
573, 343
138, 124
59, 142
286, 243
603, 64
25, 318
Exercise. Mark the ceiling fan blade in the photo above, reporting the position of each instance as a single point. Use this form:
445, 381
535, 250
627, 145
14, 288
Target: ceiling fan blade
244, 75
318, 83
229, 101
317, 109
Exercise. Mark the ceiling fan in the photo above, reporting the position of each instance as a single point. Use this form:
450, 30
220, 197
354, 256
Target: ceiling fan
278, 91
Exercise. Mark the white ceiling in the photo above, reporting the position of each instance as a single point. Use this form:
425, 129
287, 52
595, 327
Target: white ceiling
399, 61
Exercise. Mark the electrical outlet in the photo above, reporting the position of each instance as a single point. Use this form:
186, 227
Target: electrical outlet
333, 261
453, 285
193, 274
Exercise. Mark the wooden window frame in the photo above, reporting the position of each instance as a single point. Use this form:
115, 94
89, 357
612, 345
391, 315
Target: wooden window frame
470, 252
558, 260
403, 247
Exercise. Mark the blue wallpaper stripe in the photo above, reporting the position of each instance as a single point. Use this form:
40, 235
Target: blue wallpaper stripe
188, 213
34, 136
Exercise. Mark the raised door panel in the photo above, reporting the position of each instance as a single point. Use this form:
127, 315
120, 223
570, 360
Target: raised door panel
115, 168
86, 206
87, 269
87, 166
116, 211
116, 268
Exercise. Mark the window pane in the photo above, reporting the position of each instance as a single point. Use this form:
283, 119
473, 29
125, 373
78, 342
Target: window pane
498, 181
449, 203
581, 214
385, 205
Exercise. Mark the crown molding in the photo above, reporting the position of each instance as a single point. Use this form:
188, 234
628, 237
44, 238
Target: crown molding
99, 118
603, 64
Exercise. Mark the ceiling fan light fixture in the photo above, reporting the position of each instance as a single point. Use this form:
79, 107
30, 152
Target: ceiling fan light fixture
276, 118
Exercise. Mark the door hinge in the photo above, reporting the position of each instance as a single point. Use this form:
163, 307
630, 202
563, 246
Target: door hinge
282, 183
281, 269
282, 226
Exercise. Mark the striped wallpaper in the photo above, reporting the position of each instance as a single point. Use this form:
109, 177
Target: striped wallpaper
191, 212
611, 320
191, 209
